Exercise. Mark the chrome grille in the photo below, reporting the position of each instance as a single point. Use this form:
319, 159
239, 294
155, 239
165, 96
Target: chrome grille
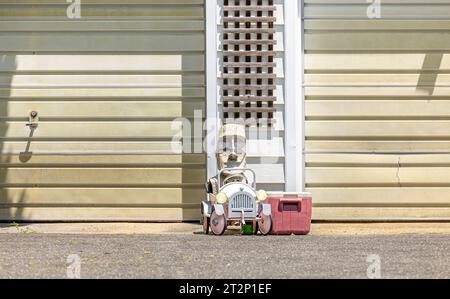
242, 201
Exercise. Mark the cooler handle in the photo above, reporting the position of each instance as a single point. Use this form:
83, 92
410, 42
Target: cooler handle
287, 204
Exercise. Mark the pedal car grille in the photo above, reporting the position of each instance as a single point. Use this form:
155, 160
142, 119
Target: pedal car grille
242, 201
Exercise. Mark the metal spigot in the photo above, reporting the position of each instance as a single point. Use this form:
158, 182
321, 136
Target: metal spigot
33, 120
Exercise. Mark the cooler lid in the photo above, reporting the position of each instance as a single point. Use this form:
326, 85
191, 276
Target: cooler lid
289, 194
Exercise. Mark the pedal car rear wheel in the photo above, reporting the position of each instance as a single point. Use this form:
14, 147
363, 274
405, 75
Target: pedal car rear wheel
217, 223
265, 224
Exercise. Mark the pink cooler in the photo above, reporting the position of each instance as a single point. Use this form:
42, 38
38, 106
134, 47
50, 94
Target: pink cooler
291, 213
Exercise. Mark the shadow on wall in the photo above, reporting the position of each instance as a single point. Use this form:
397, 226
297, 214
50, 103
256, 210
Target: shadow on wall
430, 72
193, 163
10, 203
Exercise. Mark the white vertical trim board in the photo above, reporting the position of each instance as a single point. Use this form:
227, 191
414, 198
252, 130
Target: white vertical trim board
211, 85
301, 146
293, 97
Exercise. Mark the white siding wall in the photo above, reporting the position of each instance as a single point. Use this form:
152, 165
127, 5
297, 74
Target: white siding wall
378, 109
107, 89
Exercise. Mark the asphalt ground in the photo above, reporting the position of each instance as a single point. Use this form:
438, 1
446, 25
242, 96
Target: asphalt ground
193, 255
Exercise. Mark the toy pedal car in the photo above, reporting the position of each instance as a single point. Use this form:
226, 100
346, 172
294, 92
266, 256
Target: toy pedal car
232, 194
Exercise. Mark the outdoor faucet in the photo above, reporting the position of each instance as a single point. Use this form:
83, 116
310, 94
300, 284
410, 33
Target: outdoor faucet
33, 120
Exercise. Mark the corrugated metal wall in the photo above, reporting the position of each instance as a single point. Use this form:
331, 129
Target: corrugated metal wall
378, 109
265, 146
107, 89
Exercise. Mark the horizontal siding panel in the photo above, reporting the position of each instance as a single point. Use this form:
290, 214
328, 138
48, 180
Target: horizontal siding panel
420, 81
381, 197
101, 42
387, 160
389, 10
76, 26
388, 2
101, 109
99, 214
94, 147
374, 62
169, 3
378, 129
105, 10
100, 197
102, 62
156, 129
377, 24
100, 176
351, 177
150, 2
56, 160
106, 80
380, 214
380, 91
377, 176
431, 41
396, 146
377, 109
101, 92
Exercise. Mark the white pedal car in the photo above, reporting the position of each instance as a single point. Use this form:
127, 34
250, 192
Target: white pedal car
232, 194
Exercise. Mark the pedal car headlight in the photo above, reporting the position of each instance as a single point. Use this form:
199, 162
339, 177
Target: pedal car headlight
221, 198
261, 195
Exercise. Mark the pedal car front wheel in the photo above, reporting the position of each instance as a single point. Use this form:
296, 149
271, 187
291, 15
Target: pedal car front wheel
217, 223
265, 224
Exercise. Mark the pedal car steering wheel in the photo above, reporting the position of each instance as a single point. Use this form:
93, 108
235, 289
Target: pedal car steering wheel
235, 178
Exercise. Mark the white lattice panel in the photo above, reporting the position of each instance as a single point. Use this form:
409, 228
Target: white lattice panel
248, 68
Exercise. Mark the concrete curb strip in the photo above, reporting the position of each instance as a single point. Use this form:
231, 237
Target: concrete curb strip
318, 229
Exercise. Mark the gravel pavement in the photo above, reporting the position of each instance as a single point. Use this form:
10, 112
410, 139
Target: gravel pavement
35, 255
